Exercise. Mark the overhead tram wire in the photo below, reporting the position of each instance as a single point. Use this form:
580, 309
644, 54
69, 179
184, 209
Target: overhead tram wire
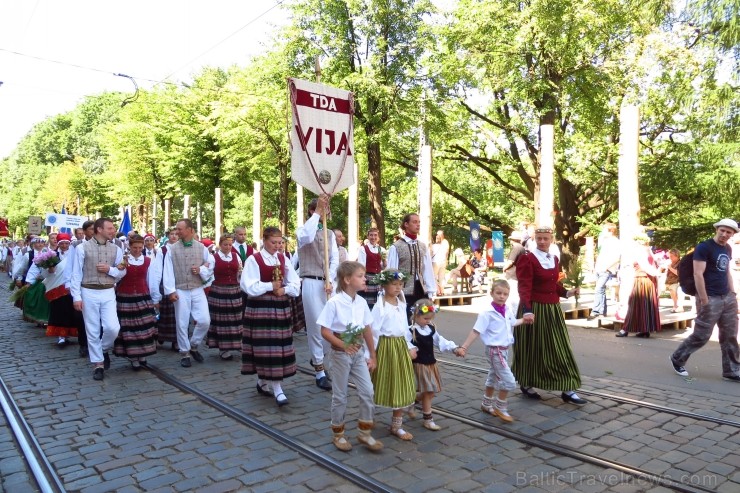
280, 2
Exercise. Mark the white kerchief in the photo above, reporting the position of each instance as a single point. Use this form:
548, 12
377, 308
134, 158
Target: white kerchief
546, 260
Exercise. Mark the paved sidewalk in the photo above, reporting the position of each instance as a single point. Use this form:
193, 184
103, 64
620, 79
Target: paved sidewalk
132, 432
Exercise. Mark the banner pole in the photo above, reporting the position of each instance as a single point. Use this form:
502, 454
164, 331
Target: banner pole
327, 281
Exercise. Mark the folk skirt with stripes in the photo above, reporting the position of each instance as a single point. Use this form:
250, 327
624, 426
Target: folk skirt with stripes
227, 309
267, 338
393, 379
166, 325
138, 334
64, 320
543, 357
298, 315
427, 378
642, 307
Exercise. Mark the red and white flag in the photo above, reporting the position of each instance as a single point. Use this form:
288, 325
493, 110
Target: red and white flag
321, 138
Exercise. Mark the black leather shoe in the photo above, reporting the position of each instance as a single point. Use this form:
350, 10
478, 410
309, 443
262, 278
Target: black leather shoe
185, 362
646, 335
196, 355
106, 361
264, 390
528, 392
98, 374
281, 402
621, 333
573, 398
323, 383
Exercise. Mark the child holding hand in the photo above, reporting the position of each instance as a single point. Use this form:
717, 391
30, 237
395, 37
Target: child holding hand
345, 324
393, 379
425, 337
494, 326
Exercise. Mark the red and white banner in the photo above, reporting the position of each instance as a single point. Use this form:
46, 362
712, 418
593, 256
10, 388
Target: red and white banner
321, 138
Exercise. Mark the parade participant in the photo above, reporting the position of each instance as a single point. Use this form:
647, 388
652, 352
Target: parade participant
166, 325
393, 379
136, 295
371, 255
341, 251
79, 233
87, 233
716, 303
509, 268
543, 356
242, 248
98, 265
606, 268
64, 320
150, 246
643, 316
315, 287
35, 304
440, 253
52, 242
408, 254
494, 326
425, 336
187, 267
346, 325
267, 343
225, 302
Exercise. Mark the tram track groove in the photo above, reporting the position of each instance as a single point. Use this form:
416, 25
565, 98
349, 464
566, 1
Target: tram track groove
623, 400
41, 469
563, 450
347, 472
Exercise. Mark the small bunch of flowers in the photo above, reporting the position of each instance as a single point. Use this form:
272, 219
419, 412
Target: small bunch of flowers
576, 275
353, 334
424, 309
47, 259
388, 276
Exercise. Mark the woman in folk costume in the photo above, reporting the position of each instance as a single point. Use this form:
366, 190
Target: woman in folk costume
64, 320
267, 342
372, 256
20, 266
225, 300
136, 294
150, 247
643, 313
166, 325
35, 304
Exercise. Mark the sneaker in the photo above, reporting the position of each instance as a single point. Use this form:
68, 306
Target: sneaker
731, 378
680, 370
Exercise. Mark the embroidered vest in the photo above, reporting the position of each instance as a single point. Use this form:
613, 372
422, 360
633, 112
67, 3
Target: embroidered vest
134, 282
425, 354
224, 272
267, 271
311, 255
96, 253
183, 259
410, 259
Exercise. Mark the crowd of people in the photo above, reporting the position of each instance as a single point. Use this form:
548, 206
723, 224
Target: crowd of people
369, 321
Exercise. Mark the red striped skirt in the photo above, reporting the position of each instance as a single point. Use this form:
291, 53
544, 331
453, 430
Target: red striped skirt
227, 310
267, 338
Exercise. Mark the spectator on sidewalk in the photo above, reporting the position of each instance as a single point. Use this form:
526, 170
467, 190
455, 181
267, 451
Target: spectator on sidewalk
606, 268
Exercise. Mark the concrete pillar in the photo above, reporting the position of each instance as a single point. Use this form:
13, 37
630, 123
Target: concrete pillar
257, 213
186, 207
629, 196
425, 193
547, 176
299, 213
353, 219
219, 229
198, 220
166, 215
154, 216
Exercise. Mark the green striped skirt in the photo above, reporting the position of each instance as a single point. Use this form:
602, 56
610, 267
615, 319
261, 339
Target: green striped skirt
393, 379
542, 356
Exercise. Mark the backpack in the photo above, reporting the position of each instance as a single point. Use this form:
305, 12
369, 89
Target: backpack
686, 273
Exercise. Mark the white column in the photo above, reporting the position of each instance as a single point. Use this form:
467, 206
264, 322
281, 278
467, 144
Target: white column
219, 230
198, 220
425, 193
629, 196
257, 213
300, 215
353, 218
166, 215
186, 207
547, 172
154, 216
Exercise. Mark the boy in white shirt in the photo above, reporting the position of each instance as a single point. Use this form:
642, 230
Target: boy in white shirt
494, 326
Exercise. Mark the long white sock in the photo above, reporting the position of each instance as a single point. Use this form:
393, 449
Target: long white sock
277, 388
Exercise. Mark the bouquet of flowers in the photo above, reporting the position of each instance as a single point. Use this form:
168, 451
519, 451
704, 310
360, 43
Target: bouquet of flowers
352, 335
575, 275
46, 259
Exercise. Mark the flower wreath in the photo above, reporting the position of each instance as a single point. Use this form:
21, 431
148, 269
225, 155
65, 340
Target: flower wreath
424, 309
387, 276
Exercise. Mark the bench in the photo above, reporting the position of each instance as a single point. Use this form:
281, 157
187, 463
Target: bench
456, 299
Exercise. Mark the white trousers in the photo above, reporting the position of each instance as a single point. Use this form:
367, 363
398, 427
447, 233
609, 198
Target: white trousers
191, 303
314, 300
99, 310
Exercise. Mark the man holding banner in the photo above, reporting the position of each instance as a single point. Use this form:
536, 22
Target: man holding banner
322, 160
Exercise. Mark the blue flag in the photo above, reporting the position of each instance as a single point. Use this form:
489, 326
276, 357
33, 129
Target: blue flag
498, 246
125, 222
474, 235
